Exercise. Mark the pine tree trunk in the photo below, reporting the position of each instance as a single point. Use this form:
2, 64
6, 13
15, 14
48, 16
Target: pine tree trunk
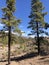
38, 39
9, 40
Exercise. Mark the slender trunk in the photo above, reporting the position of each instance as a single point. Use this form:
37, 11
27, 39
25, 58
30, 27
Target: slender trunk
9, 40
38, 39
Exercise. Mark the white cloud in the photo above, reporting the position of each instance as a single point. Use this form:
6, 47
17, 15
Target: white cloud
15, 33
32, 36
24, 34
6, 31
1, 25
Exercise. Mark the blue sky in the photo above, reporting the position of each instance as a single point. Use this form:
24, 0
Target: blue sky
22, 12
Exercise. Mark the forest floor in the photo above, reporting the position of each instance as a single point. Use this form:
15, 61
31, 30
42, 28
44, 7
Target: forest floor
28, 59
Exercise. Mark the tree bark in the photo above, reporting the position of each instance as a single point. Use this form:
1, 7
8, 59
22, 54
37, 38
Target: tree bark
38, 39
9, 40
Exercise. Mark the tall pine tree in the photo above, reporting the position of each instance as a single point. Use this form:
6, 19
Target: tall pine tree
10, 21
37, 22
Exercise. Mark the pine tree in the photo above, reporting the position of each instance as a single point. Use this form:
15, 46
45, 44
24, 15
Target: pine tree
46, 26
10, 21
37, 22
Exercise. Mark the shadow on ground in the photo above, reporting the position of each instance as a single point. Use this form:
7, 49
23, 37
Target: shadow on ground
26, 56
43, 53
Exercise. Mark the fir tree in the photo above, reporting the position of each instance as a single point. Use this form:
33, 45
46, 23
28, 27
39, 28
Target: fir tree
37, 22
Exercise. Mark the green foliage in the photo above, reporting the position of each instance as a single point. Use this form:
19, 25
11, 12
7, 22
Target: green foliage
8, 17
46, 25
37, 17
3, 37
37, 22
10, 21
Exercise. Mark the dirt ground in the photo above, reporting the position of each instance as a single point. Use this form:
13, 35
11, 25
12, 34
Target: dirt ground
38, 60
